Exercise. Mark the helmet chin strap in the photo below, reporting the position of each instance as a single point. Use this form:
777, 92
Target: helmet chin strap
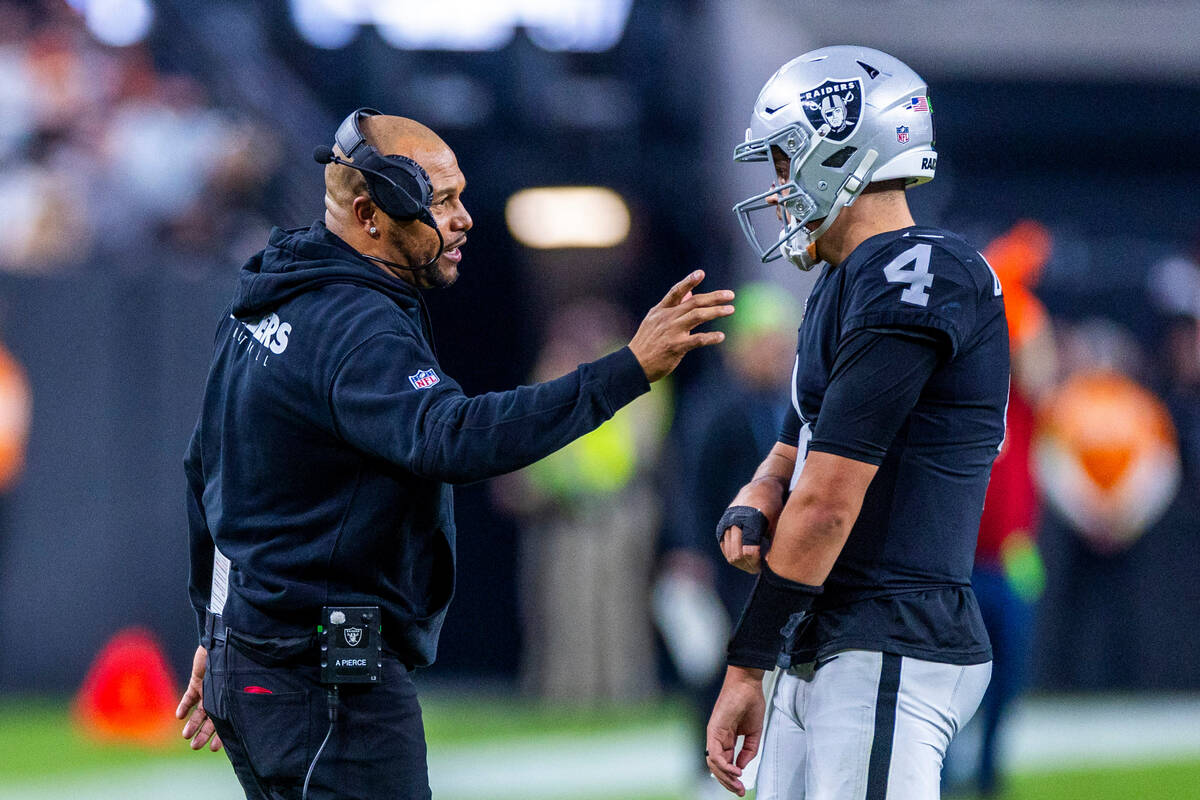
805, 258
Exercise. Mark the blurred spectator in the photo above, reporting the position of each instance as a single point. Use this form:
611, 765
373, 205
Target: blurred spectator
1174, 286
724, 430
589, 514
1107, 457
113, 155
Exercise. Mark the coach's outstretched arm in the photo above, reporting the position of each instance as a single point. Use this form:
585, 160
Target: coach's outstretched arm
437, 432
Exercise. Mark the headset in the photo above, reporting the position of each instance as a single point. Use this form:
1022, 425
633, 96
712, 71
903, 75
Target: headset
399, 186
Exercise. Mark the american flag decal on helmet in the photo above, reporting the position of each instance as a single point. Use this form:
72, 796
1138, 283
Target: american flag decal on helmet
424, 378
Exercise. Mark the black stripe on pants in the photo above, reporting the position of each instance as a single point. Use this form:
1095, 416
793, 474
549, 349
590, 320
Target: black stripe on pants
885, 727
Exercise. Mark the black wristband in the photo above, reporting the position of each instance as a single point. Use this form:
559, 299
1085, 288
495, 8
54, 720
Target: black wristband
775, 604
752, 522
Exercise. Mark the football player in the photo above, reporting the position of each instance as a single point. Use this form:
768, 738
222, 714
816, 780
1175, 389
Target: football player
870, 501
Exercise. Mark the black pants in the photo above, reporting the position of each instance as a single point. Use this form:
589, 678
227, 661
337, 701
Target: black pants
272, 720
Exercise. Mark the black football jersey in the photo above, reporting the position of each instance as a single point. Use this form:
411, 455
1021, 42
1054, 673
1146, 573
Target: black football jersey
902, 582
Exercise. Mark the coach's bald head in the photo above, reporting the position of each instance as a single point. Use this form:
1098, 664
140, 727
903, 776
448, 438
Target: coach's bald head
351, 214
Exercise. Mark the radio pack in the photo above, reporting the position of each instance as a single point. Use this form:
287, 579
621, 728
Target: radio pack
351, 644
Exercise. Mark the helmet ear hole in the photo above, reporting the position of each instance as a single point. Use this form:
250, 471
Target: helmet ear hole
839, 158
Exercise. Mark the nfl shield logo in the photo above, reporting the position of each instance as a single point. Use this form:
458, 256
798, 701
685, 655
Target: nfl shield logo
837, 104
424, 379
353, 636
902, 134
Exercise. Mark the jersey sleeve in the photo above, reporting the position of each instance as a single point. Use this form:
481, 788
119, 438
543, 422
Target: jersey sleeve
914, 284
789, 432
876, 380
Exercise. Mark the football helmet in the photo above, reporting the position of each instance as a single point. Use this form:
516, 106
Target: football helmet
845, 116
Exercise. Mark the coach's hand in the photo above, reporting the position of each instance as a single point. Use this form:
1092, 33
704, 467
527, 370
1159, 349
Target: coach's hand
665, 335
199, 728
739, 712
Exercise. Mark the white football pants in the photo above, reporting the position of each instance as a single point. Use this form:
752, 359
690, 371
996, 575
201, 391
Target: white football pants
865, 726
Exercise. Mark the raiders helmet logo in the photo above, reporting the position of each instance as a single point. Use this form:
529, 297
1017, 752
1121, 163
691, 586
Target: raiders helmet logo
353, 636
837, 104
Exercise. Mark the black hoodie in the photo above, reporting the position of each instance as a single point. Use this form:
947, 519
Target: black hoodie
320, 462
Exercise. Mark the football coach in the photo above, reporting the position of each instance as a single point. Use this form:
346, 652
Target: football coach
319, 471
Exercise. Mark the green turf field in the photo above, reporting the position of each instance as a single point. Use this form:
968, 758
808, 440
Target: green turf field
37, 740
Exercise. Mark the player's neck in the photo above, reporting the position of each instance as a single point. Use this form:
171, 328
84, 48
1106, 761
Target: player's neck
873, 213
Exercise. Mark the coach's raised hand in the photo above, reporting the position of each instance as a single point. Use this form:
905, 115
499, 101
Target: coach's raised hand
665, 335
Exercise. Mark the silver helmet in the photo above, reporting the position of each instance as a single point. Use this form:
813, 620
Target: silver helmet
845, 116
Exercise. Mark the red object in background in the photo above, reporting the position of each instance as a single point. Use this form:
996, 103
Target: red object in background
128, 694
1011, 506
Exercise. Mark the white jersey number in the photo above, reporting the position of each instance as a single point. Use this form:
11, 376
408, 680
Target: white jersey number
918, 277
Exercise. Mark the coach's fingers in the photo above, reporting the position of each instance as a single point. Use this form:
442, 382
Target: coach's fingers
680, 290
189, 699
214, 744
699, 316
703, 340
195, 721
206, 732
708, 299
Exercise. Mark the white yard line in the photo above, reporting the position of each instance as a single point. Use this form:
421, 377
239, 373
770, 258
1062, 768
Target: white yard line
1045, 735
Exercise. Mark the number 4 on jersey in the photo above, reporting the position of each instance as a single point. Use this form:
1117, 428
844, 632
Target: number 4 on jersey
918, 277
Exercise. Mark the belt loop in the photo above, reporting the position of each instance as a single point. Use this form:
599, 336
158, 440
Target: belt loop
214, 629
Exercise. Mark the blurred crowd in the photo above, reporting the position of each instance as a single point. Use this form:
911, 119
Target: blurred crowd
107, 153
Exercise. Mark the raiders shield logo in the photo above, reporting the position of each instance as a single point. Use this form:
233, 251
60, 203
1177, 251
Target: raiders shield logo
837, 104
353, 636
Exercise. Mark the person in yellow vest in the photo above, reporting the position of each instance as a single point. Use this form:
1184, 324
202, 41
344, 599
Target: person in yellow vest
587, 510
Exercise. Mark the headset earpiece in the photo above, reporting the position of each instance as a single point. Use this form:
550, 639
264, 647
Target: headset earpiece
404, 190
397, 184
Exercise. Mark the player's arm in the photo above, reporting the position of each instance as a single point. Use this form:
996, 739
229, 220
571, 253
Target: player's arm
765, 493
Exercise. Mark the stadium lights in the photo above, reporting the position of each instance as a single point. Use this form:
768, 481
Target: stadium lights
117, 23
571, 25
550, 217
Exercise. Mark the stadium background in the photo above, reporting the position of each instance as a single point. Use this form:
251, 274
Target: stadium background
148, 145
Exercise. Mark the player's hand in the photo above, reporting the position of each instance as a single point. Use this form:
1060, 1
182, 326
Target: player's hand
665, 336
746, 557
199, 728
739, 712
767, 497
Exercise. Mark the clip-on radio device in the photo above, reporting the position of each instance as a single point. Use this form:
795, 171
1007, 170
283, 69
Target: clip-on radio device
351, 642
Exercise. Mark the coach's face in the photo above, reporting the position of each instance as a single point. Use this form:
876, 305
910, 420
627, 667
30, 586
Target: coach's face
413, 242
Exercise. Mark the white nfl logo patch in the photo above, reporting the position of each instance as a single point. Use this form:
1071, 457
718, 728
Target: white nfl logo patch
424, 379
353, 636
